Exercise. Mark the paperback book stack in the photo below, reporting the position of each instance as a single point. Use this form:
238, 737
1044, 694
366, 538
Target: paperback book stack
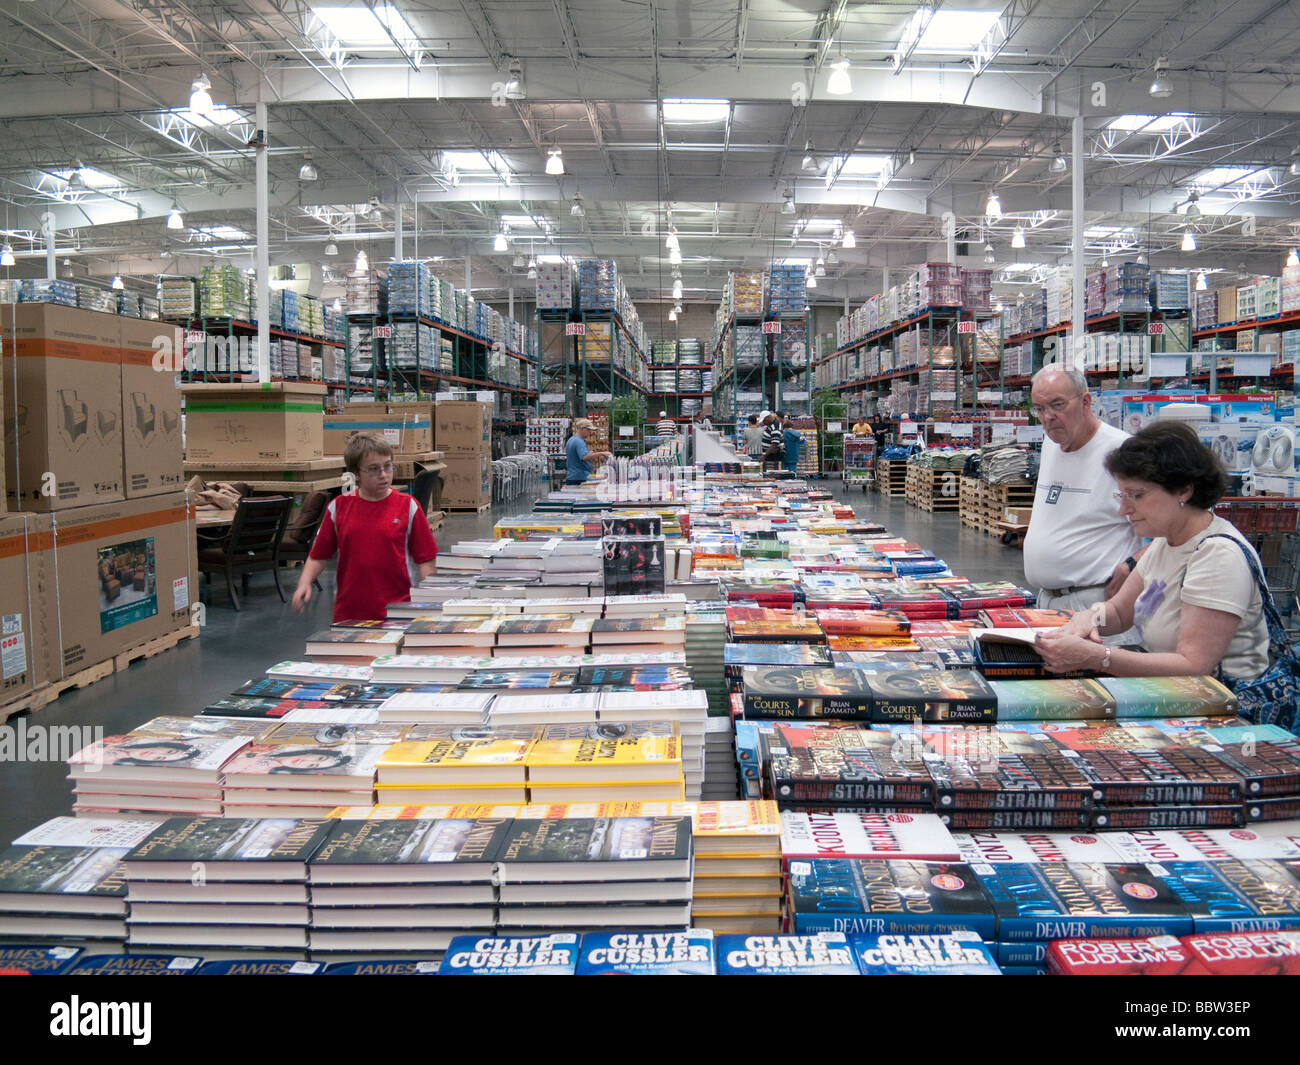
149, 774
403, 886
706, 635
455, 765
606, 762
305, 769
573, 567
63, 880
738, 882
578, 874
441, 708
249, 892
720, 765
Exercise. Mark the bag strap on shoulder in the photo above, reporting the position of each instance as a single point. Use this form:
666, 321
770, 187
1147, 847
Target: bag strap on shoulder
1276, 631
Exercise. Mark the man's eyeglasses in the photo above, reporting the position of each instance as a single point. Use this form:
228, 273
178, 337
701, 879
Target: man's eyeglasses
376, 471
1130, 497
1056, 406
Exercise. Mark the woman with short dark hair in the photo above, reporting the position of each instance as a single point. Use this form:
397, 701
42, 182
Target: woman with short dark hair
1192, 597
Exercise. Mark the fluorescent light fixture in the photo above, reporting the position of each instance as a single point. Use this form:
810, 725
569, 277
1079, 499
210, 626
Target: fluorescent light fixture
7, 255
210, 233
501, 243
577, 210
175, 220
839, 83
677, 289
671, 240
993, 208
1189, 240
1293, 259
849, 240
956, 31
117, 282
675, 256
555, 162
201, 96
307, 172
474, 162
331, 248
1147, 124
1018, 237
697, 110
1201, 282
989, 257
812, 281
1161, 86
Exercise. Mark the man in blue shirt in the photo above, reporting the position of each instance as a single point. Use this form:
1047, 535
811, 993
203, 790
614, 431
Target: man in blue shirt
577, 455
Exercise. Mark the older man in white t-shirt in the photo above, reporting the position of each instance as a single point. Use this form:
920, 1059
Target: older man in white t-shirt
1079, 548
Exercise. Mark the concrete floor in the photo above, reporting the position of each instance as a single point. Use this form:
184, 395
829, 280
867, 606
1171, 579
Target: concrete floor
236, 647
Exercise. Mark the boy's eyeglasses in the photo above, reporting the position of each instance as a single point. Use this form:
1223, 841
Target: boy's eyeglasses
376, 471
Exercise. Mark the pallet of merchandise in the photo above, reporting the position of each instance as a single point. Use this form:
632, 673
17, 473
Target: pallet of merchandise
32, 701
891, 477
972, 506
930, 489
405, 467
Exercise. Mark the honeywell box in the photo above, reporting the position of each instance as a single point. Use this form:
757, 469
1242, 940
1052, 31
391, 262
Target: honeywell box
467, 481
28, 630
63, 406
151, 414
127, 573
463, 429
407, 427
280, 421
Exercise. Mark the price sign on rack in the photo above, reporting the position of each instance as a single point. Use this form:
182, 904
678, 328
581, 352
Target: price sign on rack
575, 329
383, 332
771, 327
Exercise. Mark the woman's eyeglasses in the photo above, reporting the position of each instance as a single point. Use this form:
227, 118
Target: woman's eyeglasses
1130, 497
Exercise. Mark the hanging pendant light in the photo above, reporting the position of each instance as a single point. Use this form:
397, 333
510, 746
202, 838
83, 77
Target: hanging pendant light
1201, 282
201, 96
989, 257
7, 255
993, 208
1018, 237
677, 289
1189, 240
849, 241
839, 83
675, 257
175, 220
555, 162
307, 172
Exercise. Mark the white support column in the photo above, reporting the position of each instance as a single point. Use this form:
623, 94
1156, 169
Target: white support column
397, 226
1077, 327
510, 297
262, 260
468, 281
950, 227
51, 263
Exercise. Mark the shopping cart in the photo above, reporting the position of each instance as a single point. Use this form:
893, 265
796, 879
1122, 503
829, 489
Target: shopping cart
859, 461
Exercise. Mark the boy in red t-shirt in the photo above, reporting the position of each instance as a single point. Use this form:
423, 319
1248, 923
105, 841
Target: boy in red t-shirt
380, 536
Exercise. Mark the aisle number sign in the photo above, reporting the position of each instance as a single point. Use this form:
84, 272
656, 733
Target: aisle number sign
1155, 329
383, 332
771, 327
575, 329
965, 327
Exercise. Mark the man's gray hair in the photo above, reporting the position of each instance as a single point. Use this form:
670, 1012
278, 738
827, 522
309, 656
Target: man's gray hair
1075, 377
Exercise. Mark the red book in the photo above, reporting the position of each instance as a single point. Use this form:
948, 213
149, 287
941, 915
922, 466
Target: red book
1156, 956
1246, 953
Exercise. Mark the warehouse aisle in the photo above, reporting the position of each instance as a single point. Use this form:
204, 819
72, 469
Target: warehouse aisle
236, 647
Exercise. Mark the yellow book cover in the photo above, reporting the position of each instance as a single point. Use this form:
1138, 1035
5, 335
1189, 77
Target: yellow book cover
487, 759
439, 794
428, 812
607, 791
545, 811
755, 817
606, 754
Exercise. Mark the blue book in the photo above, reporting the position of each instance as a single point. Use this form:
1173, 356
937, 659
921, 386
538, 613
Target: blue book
820, 954
738, 655
135, 965
865, 896
1236, 895
382, 967
553, 955
259, 967
1032, 953
1081, 900
960, 953
688, 953
36, 959
1024, 970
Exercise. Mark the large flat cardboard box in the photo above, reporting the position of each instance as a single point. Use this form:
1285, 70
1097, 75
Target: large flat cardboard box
407, 427
281, 421
29, 641
466, 482
151, 414
463, 429
127, 573
63, 406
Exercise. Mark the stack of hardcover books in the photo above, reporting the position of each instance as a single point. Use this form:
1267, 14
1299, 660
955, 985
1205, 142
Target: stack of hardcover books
352, 646
738, 882
605, 762
462, 765
687, 709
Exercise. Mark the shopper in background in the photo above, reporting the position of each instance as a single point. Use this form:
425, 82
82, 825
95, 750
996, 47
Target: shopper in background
380, 537
792, 441
666, 426
703, 421
1079, 549
578, 457
1192, 599
862, 427
753, 439
773, 437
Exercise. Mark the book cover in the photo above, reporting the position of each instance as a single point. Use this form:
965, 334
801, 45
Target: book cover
89, 832
320, 671
959, 953
489, 680
879, 896
687, 953
1078, 900
636, 678
1169, 696
36, 959
991, 848
777, 692
837, 766
1273, 953
600, 840
87, 871
1052, 700
960, 695
468, 755
549, 955
1023, 617
179, 728
863, 622
1149, 956
915, 837
301, 765
738, 655
135, 965
328, 734
1167, 816
240, 840
260, 967
821, 954
1236, 895
376, 842
1016, 820
609, 751
343, 638
979, 769
383, 967
1173, 774
156, 757
1267, 770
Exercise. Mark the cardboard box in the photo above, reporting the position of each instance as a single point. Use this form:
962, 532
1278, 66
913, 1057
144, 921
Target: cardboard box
280, 421
63, 406
127, 573
467, 481
1017, 515
463, 429
408, 427
28, 629
151, 414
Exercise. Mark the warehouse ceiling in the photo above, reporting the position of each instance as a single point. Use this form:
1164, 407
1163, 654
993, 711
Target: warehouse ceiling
708, 116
